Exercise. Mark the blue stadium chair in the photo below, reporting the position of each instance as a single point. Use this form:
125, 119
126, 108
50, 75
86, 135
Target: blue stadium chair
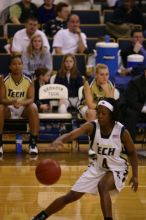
107, 15
3, 42
94, 31
124, 43
91, 42
4, 63
81, 62
88, 16
1, 30
11, 29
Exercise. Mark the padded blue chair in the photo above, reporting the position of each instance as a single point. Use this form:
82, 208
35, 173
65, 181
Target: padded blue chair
94, 31
124, 43
88, 16
4, 63
107, 15
13, 28
91, 42
1, 30
3, 42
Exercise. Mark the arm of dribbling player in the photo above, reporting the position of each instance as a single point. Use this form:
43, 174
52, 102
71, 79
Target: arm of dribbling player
86, 128
129, 145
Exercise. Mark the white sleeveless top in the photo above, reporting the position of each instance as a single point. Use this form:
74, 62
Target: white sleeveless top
110, 151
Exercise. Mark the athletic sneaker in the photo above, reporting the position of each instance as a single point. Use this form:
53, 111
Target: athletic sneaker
33, 150
1, 150
41, 216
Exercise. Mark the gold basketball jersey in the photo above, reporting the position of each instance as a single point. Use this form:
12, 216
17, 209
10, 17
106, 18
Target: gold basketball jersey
17, 90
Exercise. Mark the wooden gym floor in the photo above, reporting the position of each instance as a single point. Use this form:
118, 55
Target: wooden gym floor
21, 196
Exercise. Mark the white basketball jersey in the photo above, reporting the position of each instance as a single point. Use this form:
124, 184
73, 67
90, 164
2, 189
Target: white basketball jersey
110, 151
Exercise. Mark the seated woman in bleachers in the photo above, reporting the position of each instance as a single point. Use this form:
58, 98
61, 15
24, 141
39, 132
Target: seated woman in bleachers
36, 55
42, 78
70, 77
99, 87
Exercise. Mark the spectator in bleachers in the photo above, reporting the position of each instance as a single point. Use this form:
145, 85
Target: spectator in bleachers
98, 88
60, 21
137, 47
17, 101
135, 103
70, 40
46, 11
22, 37
124, 18
42, 77
19, 12
36, 56
70, 77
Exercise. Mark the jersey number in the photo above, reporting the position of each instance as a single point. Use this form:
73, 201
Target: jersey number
104, 163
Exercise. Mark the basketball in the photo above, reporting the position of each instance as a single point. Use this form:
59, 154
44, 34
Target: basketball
48, 171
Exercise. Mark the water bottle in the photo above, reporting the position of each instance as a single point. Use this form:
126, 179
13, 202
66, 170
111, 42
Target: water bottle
18, 143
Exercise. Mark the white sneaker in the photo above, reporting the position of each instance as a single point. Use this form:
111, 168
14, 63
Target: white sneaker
1, 150
91, 152
33, 150
92, 155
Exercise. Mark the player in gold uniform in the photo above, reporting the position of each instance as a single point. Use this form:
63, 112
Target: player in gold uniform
17, 100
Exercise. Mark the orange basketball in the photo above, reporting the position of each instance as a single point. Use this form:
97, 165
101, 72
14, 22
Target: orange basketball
48, 171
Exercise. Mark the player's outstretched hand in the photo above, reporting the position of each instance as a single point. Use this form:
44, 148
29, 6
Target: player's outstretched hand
134, 183
57, 145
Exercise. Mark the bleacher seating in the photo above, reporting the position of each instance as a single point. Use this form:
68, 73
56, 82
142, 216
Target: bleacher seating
3, 42
124, 43
11, 29
1, 30
88, 16
107, 15
4, 63
93, 31
91, 42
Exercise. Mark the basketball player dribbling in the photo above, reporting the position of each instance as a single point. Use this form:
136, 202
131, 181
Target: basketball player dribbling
112, 145
16, 101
